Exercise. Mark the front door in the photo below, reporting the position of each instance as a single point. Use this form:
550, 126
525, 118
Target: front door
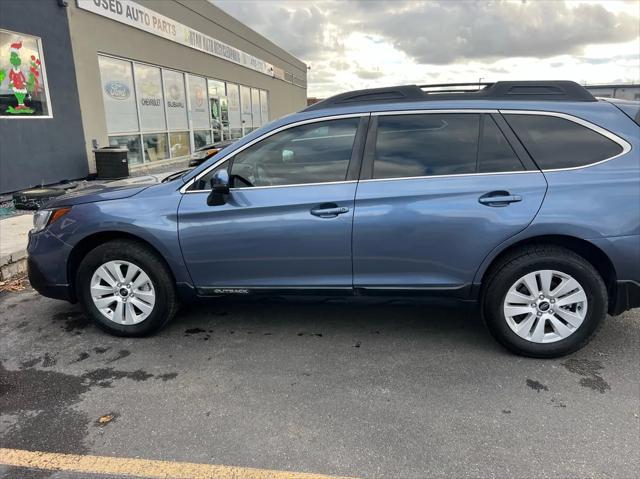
441, 191
287, 221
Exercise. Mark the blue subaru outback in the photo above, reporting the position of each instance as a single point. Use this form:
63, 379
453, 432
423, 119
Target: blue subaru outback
522, 197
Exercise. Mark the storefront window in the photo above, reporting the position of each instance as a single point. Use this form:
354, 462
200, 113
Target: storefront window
201, 138
215, 107
23, 80
132, 142
155, 146
159, 113
255, 108
179, 143
150, 100
176, 99
198, 107
224, 115
216, 87
217, 92
264, 107
235, 120
245, 105
118, 95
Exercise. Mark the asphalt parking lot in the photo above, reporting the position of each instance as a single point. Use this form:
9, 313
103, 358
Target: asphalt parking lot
370, 391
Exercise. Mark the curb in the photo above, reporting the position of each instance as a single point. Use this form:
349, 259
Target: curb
12, 265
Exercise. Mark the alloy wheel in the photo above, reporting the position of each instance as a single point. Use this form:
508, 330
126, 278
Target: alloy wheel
122, 292
545, 306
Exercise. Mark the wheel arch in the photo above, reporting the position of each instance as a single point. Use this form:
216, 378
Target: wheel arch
94, 240
587, 250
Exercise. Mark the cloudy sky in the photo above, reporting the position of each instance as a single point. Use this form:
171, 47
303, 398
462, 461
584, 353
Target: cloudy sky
366, 43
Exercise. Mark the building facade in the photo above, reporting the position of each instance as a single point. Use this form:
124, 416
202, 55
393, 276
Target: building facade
622, 91
43, 142
161, 77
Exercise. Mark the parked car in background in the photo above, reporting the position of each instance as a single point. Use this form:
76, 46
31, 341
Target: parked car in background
207, 151
521, 197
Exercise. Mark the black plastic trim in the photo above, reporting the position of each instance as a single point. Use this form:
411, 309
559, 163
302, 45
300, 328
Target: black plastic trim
627, 297
270, 291
353, 171
457, 292
366, 172
515, 143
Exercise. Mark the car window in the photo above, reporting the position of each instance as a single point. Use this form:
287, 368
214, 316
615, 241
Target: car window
313, 153
426, 145
555, 142
495, 154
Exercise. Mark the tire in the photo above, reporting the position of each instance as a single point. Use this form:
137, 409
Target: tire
160, 286
555, 340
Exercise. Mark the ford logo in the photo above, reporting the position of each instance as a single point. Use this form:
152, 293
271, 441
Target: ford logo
117, 90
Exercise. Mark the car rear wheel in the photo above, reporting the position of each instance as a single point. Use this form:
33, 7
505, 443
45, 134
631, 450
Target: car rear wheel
544, 301
126, 289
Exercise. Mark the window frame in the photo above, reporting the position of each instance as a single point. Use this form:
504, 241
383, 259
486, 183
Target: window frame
625, 145
361, 163
519, 149
370, 148
44, 78
353, 169
371, 158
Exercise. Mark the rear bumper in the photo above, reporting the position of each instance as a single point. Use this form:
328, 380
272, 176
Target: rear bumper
627, 297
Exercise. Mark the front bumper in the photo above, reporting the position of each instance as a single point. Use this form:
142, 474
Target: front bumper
46, 288
47, 263
627, 297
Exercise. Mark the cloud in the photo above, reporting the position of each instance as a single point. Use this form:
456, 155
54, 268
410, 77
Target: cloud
446, 32
368, 74
299, 28
368, 43
340, 65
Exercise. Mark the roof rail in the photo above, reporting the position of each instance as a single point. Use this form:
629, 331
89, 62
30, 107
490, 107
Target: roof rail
557, 90
453, 87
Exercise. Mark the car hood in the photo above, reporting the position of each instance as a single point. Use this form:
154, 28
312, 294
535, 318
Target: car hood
113, 190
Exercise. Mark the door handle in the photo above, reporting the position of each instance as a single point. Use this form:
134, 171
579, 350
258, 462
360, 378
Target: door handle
499, 199
329, 210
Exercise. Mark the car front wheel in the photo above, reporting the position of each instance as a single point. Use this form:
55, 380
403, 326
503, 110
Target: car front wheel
544, 301
126, 288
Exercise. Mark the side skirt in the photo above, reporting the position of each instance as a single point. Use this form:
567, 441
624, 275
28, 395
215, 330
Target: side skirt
463, 293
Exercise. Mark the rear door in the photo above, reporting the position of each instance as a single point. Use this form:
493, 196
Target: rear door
438, 192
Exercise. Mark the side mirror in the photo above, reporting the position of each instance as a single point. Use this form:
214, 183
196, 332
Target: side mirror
219, 188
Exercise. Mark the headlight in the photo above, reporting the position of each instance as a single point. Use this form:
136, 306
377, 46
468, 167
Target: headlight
43, 218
